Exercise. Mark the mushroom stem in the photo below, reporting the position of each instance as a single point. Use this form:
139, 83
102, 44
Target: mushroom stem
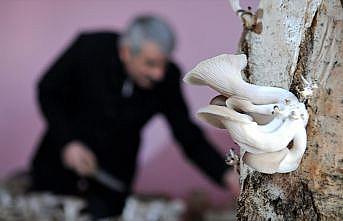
266, 162
248, 107
252, 135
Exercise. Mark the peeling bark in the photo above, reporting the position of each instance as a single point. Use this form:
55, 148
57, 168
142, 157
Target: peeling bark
301, 38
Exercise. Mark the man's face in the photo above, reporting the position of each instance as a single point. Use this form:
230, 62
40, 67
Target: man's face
147, 66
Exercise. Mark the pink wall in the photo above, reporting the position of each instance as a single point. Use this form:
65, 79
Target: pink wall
34, 32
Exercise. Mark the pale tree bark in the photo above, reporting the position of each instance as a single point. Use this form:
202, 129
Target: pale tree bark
300, 38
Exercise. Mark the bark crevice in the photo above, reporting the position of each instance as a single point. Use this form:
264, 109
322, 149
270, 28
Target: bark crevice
306, 49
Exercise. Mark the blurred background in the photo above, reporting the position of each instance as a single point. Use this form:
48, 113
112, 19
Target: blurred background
34, 32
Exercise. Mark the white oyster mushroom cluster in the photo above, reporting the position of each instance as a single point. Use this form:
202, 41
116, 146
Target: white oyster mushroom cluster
261, 120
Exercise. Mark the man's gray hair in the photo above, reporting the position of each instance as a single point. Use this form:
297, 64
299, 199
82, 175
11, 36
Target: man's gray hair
148, 28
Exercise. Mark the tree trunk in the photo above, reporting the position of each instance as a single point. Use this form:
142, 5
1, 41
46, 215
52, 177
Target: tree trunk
300, 38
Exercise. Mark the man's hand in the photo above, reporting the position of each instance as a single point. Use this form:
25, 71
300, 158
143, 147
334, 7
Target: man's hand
79, 158
231, 180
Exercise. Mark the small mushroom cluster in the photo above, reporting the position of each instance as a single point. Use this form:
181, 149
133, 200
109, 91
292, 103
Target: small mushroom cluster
261, 120
250, 21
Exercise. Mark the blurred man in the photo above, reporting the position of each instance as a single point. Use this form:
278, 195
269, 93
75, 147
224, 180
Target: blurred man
96, 99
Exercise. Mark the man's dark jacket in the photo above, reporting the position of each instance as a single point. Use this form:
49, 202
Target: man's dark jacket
81, 97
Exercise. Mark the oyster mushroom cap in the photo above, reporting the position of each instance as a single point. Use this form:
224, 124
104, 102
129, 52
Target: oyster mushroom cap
225, 63
217, 116
223, 74
271, 137
220, 73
